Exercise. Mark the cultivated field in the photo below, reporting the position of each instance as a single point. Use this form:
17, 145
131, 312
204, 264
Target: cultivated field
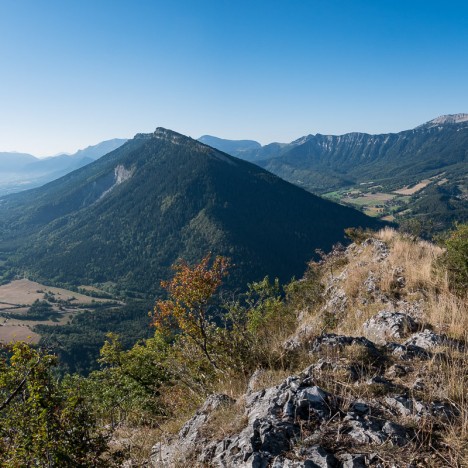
414, 189
17, 297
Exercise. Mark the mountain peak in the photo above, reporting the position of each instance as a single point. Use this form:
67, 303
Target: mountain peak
166, 134
448, 119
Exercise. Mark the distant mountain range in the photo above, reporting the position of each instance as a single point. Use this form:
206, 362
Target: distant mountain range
419, 173
20, 171
125, 218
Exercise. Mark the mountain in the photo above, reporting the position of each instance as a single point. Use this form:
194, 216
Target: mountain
94, 152
127, 217
12, 161
19, 171
418, 173
233, 147
447, 119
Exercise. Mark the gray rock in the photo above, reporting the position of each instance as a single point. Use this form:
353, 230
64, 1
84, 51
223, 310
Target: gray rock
312, 402
396, 371
317, 457
353, 372
407, 407
426, 339
379, 247
254, 379
364, 431
165, 454
360, 408
349, 460
408, 352
300, 338
387, 325
331, 340
395, 432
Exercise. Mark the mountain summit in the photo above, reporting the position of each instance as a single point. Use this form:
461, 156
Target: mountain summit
128, 216
448, 119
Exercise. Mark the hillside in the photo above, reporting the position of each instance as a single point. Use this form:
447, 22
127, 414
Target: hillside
419, 174
125, 219
370, 371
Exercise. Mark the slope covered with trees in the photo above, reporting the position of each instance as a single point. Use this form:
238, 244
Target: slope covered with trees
128, 216
358, 165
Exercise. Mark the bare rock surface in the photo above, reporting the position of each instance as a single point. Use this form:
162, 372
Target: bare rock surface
387, 325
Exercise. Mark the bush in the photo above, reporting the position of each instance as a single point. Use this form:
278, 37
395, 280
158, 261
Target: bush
456, 259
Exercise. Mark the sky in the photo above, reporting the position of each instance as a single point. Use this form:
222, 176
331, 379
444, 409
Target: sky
73, 73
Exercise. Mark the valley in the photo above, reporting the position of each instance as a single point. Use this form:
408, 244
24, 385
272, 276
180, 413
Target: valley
24, 304
418, 174
388, 205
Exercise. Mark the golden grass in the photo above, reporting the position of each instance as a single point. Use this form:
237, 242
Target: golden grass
449, 314
225, 421
134, 443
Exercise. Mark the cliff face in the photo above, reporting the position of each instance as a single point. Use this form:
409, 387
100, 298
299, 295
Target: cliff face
379, 378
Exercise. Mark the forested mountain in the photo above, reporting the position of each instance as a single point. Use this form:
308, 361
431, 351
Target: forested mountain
19, 171
433, 155
127, 217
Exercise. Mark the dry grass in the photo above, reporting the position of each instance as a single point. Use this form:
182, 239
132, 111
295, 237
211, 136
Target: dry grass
357, 274
134, 444
356, 315
225, 421
415, 260
449, 314
269, 378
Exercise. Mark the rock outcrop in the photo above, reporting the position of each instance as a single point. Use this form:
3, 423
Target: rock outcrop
360, 400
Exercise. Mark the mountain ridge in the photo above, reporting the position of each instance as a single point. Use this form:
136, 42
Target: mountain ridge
20, 171
182, 199
431, 156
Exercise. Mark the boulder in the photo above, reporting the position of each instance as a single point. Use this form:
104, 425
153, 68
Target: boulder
388, 325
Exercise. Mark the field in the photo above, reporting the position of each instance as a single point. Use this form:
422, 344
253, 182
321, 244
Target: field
17, 297
377, 201
412, 190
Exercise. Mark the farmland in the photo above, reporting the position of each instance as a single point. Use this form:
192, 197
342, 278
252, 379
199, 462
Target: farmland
25, 304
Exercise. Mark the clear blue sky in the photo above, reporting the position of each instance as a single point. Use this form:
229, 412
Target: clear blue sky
75, 72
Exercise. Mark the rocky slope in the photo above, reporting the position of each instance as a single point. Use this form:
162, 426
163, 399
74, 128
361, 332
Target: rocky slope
380, 378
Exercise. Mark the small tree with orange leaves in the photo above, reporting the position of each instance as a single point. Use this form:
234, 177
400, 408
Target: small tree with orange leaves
190, 292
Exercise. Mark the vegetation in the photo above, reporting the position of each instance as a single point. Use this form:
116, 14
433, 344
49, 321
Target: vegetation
456, 258
364, 171
44, 422
155, 385
180, 200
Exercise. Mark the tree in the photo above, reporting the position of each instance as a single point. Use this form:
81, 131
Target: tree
42, 421
187, 309
456, 258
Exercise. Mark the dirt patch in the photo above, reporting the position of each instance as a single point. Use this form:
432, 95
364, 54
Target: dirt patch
11, 333
412, 190
25, 292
